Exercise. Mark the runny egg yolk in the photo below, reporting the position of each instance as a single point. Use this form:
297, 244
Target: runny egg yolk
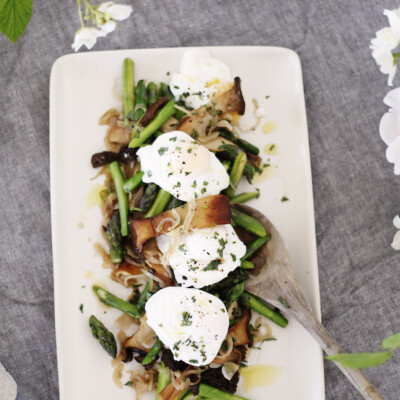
189, 158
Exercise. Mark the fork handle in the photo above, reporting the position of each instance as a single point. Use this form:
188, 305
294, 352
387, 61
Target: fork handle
307, 318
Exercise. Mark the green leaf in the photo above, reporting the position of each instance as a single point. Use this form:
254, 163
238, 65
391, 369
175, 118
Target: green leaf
14, 17
391, 342
361, 360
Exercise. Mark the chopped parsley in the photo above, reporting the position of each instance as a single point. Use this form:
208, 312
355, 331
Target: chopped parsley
233, 257
283, 301
173, 139
186, 319
129, 383
162, 150
176, 345
284, 198
223, 243
81, 308
212, 266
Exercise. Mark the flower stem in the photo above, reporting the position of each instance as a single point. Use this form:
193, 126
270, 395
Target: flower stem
78, 3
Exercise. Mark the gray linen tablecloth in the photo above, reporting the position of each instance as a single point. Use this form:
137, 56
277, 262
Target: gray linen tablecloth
355, 190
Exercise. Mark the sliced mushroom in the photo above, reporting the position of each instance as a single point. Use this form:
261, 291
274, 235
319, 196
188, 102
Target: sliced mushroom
209, 211
240, 332
153, 110
141, 341
232, 100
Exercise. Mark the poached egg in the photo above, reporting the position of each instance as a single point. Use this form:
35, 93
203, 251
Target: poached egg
204, 256
192, 323
183, 167
199, 78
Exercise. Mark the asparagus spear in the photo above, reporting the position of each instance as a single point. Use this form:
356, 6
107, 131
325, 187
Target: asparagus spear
236, 173
118, 178
113, 301
244, 144
230, 155
152, 93
210, 392
174, 202
163, 379
255, 303
246, 264
104, 336
161, 201
128, 82
140, 100
114, 239
144, 296
227, 164
254, 246
148, 197
133, 182
243, 197
248, 223
165, 92
165, 113
232, 294
152, 354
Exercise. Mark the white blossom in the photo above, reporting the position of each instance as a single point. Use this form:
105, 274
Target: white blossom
386, 40
85, 37
116, 12
389, 128
107, 27
394, 20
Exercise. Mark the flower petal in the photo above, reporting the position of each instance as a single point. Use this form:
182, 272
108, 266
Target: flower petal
393, 151
85, 37
389, 127
385, 61
396, 241
394, 19
385, 40
392, 99
103, 6
396, 222
107, 28
119, 12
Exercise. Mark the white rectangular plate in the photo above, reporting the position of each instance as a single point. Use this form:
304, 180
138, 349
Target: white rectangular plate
81, 90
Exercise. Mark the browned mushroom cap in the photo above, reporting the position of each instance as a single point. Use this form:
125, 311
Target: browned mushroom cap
140, 342
231, 100
255, 161
240, 332
153, 110
209, 211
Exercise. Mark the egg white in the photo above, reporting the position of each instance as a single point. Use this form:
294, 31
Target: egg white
200, 77
183, 167
192, 323
191, 258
